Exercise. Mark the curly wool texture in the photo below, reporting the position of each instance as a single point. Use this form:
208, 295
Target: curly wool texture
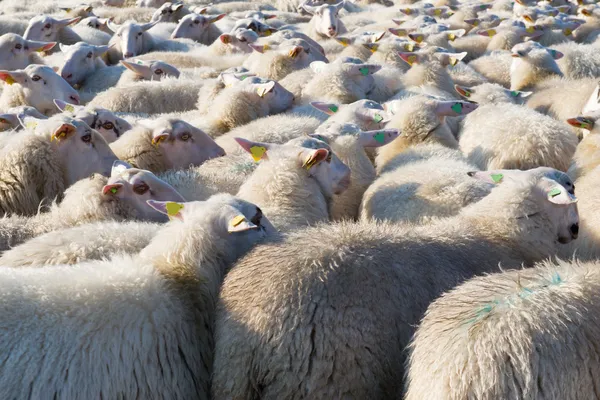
95, 241
135, 147
166, 96
421, 191
495, 67
516, 138
508, 335
290, 321
274, 65
31, 175
334, 85
562, 98
580, 61
234, 107
83, 203
13, 96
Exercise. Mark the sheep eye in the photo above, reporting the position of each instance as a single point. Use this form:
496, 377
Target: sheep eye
185, 137
108, 125
35, 78
243, 40
257, 217
86, 138
92, 25
18, 46
196, 21
164, 11
158, 71
140, 188
47, 26
89, 55
139, 34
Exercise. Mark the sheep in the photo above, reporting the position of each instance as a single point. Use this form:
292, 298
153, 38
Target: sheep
94, 22
36, 86
165, 143
505, 335
198, 27
492, 93
532, 63
105, 122
211, 56
175, 278
52, 155
495, 67
170, 12
10, 119
80, 10
251, 99
579, 61
18, 53
294, 183
80, 61
517, 137
325, 22
586, 157
420, 119
46, 28
349, 143
397, 270
93, 30
121, 197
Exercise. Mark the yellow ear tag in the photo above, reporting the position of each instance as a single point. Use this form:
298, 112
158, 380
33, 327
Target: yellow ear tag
257, 152
308, 164
530, 29
267, 32
567, 32
412, 60
343, 42
58, 136
451, 36
9, 80
261, 92
238, 220
453, 61
409, 47
69, 108
266, 47
437, 12
173, 208
419, 39
31, 125
374, 48
156, 141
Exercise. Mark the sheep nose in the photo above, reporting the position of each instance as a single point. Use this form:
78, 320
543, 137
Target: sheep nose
74, 99
67, 76
331, 29
128, 54
574, 230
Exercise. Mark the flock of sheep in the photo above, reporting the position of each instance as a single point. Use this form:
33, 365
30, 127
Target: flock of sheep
300, 199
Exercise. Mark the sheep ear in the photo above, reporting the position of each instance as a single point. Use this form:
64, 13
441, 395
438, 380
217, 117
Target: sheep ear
519, 93
236, 221
450, 58
10, 119
452, 35
68, 21
556, 193
230, 79
417, 37
378, 138
56, 69
487, 32
88, 9
170, 208
473, 21
112, 188
177, 6
339, 5
318, 66
293, 53
63, 47
264, 88
201, 10
270, 16
10, 77
64, 131
407, 11
364, 69
327, 108
29, 123
119, 167
376, 37
463, 91
371, 46
112, 26
149, 25
214, 18
99, 50
581, 122
40, 46
257, 150
555, 54
409, 58
68, 107
398, 32
309, 9
454, 108
495, 177
310, 157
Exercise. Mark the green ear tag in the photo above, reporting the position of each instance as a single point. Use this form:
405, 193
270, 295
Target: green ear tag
243, 77
364, 71
379, 136
333, 109
514, 93
113, 190
497, 178
554, 192
457, 108
377, 118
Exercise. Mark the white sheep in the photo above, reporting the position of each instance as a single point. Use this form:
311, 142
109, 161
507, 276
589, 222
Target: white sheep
492, 93
80, 61
18, 53
587, 154
165, 143
532, 64
516, 137
9, 120
355, 343
294, 182
170, 12
109, 125
198, 27
579, 61
90, 30
94, 22
175, 278
46, 28
325, 22
506, 335
495, 67
50, 156
36, 86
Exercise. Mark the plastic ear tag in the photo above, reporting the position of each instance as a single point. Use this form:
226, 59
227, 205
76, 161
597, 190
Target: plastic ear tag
310, 162
257, 152
379, 136
567, 32
32, 125
364, 71
514, 93
457, 107
267, 32
553, 53
451, 36
497, 178
586, 125
69, 108
173, 208
237, 220
554, 192
412, 59
266, 47
377, 118
476, 22
530, 29
453, 61
261, 92
156, 141
59, 135
373, 48
419, 38
333, 109
407, 11
114, 190
343, 41
437, 12
490, 32
409, 47
9, 80
139, 62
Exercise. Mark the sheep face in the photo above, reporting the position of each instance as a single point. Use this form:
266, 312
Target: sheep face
276, 96
130, 37
168, 12
15, 50
239, 41
255, 25
346, 134
528, 58
136, 186
370, 113
193, 26
98, 23
46, 29
104, 121
325, 18
182, 144
151, 70
40, 86
10, 119
80, 61
588, 121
